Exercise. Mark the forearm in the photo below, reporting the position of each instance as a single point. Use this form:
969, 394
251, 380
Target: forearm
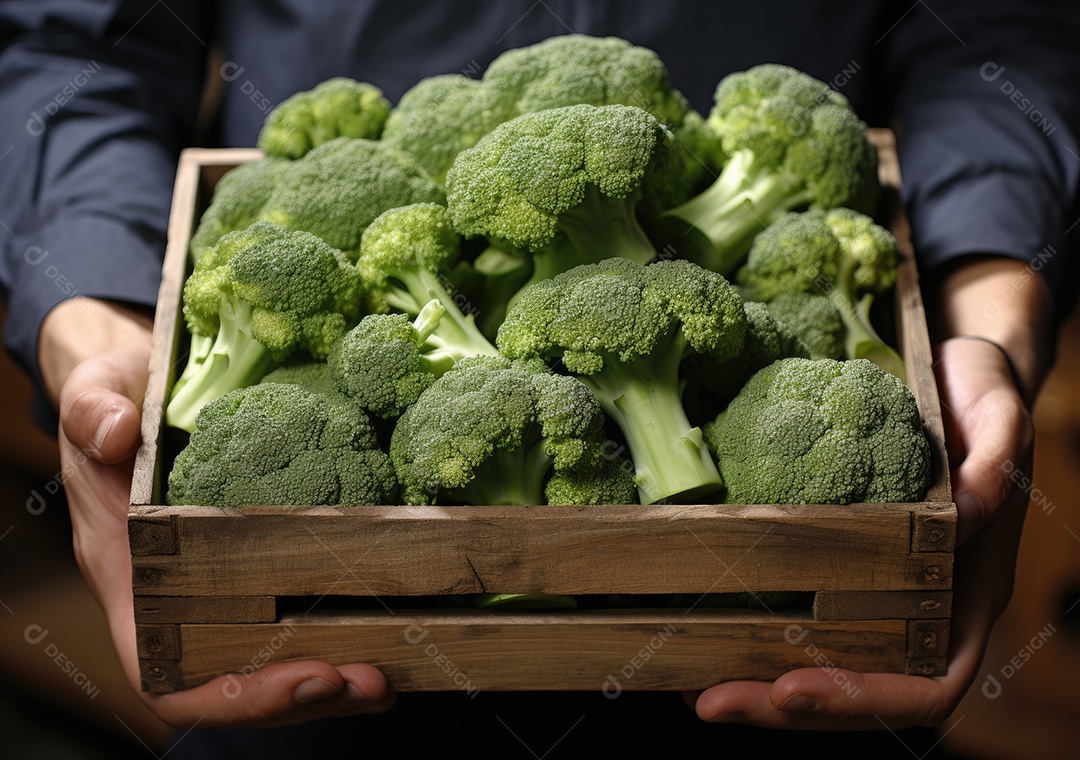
1002, 299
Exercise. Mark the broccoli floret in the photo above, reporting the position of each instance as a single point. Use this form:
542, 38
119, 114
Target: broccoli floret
492, 431
338, 107
237, 201
339, 188
403, 255
441, 116
280, 443
260, 295
821, 431
563, 184
446, 114
625, 329
791, 142
839, 253
386, 361
810, 325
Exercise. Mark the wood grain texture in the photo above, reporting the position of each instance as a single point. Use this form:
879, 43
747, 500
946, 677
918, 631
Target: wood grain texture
196, 609
610, 651
882, 605
374, 551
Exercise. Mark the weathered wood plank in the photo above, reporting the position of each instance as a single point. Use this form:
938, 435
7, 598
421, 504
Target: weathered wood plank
882, 605
158, 642
374, 551
205, 609
595, 650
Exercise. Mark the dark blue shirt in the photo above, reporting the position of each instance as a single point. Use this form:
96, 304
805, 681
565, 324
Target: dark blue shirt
97, 98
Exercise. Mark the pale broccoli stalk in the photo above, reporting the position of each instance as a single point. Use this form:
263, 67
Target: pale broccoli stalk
278, 443
624, 329
563, 184
386, 361
821, 432
402, 255
493, 431
338, 107
840, 254
339, 188
791, 142
262, 294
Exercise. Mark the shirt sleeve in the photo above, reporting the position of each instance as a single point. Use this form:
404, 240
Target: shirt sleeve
988, 125
96, 100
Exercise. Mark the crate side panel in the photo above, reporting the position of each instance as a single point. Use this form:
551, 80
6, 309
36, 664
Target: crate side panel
607, 651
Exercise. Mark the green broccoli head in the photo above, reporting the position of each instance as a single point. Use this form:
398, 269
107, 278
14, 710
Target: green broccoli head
387, 361
237, 201
625, 330
810, 325
791, 142
821, 432
257, 297
339, 188
839, 253
492, 431
277, 443
575, 171
578, 69
338, 107
440, 116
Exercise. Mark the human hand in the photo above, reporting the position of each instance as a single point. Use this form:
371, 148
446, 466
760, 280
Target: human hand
99, 400
989, 436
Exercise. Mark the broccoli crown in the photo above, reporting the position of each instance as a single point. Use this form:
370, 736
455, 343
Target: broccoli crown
340, 187
314, 376
518, 182
491, 430
279, 443
439, 117
386, 361
806, 431
811, 252
810, 325
577, 69
788, 119
338, 107
236, 203
618, 312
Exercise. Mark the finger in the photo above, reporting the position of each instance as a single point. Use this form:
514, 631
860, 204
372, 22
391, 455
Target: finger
277, 695
100, 405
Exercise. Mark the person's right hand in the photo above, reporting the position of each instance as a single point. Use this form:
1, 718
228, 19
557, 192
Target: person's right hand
98, 383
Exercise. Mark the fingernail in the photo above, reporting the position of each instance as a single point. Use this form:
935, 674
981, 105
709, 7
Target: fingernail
103, 428
351, 697
313, 690
800, 703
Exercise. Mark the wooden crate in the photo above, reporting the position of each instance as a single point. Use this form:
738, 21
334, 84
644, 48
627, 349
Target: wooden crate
228, 590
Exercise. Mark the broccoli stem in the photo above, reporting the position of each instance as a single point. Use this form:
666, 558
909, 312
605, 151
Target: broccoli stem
457, 333
509, 477
198, 350
743, 201
236, 360
643, 398
861, 340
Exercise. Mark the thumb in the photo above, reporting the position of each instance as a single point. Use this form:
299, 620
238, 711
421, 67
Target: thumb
100, 404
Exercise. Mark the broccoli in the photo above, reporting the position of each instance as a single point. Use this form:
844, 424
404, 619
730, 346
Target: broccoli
402, 255
237, 201
338, 189
810, 325
791, 142
338, 107
625, 329
277, 443
822, 431
446, 114
563, 184
493, 431
258, 296
839, 253
386, 361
